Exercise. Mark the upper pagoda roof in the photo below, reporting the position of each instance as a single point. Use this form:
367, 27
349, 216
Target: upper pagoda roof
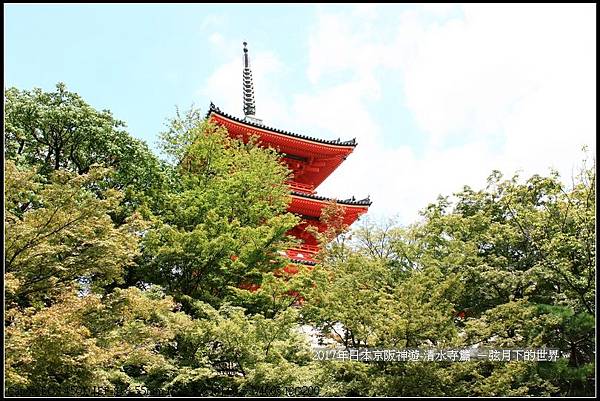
334, 142
312, 160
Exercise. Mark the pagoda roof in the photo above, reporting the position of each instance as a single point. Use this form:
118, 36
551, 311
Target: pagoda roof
303, 262
334, 142
302, 256
310, 206
351, 201
311, 160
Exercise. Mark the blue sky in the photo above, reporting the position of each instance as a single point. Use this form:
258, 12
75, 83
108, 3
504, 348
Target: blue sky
141, 61
138, 61
436, 95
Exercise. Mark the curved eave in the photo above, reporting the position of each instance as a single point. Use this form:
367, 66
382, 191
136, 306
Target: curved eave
320, 157
312, 205
302, 256
348, 202
303, 262
214, 110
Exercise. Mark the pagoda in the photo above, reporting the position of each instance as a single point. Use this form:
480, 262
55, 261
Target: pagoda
311, 161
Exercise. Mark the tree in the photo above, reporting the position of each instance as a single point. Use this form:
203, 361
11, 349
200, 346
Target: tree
510, 266
526, 254
114, 344
232, 350
135, 276
59, 235
60, 131
73, 320
224, 223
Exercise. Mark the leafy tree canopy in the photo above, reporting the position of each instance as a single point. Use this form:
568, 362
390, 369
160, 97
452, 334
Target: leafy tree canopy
134, 274
58, 130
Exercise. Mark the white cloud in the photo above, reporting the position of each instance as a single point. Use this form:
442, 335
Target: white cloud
512, 88
507, 87
470, 76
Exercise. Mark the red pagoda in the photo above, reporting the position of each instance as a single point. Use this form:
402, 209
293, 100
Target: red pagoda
311, 160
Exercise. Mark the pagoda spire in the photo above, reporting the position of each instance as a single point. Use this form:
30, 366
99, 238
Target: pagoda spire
248, 86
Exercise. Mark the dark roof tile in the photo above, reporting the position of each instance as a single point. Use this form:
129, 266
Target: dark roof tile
362, 202
303, 262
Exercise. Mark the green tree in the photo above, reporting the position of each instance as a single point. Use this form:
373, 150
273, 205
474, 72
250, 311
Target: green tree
59, 235
117, 343
526, 254
60, 131
230, 349
154, 277
510, 266
217, 223
223, 223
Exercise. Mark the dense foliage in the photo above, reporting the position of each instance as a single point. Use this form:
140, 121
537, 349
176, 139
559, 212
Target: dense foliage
125, 273
508, 267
